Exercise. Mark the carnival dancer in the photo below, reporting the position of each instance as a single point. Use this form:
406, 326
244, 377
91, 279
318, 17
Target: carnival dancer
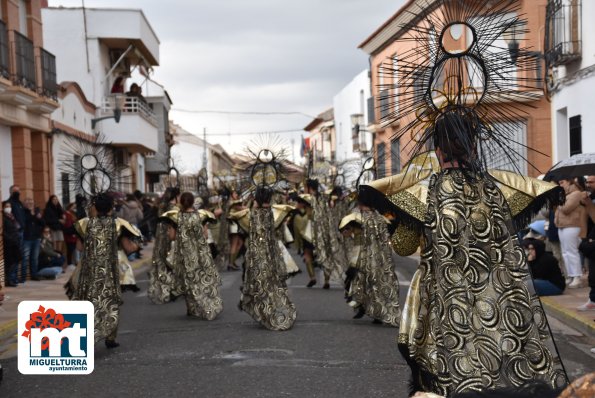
236, 234
373, 283
97, 278
322, 237
472, 320
193, 264
163, 284
281, 213
264, 291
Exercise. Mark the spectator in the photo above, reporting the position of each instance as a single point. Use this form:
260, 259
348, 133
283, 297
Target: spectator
571, 221
131, 211
70, 232
51, 262
31, 239
587, 246
149, 220
12, 250
118, 86
18, 211
53, 214
81, 206
547, 277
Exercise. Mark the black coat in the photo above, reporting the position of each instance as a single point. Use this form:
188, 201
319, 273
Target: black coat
545, 266
52, 216
12, 241
33, 226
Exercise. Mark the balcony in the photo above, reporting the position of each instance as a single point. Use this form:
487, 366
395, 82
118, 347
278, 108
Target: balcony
137, 129
24, 75
118, 28
563, 42
4, 60
49, 87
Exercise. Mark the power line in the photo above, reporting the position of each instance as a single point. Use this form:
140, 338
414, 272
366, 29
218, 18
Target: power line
241, 112
301, 130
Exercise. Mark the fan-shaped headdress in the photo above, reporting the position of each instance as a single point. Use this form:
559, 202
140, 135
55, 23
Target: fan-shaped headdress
459, 85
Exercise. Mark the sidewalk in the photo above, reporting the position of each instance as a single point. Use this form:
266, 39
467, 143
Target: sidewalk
40, 290
564, 309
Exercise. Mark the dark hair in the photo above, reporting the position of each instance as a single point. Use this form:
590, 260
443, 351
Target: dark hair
263, 195
312, 183
103, 204
50, 204
129, 197
455, 134
186, 200
138, 194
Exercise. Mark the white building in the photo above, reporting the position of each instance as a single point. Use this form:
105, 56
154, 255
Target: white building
94, 47
351, 116
570, 51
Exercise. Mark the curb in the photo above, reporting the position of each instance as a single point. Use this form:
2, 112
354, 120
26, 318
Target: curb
569, 317
141, 263
7, 329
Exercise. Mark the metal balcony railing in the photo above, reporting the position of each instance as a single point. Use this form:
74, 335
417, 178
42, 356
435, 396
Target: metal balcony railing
49, 86
25, 62
371, 111
4, 59
384, 104
128, 105
563, 42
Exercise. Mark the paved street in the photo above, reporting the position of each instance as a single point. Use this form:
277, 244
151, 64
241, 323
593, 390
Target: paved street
326, 354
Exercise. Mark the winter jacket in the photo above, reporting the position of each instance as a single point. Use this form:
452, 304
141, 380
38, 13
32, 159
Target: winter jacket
572, 213
12, 242
545, 266
33, 225
131, 212
52, 216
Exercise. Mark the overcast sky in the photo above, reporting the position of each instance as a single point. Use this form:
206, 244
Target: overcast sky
255, 56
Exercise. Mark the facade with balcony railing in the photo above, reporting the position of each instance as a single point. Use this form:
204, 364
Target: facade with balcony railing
385, 50
570, 59
322, 137
114, 45
26, 101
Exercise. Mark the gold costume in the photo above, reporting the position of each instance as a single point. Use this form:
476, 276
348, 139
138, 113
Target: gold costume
97, 278
373, 282
471, 320
264, 291
324, 239
193, 265
163, 286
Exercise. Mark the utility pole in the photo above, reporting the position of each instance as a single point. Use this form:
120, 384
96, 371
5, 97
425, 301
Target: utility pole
204, 153
292, 150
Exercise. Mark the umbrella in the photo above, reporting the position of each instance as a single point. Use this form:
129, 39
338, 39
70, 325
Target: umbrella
575, 166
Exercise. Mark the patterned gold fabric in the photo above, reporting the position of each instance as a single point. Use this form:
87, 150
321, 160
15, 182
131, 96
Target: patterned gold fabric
264, 291
326, 246
472, 320
163, 285
375, 285
222, 238
195, 269
98, 279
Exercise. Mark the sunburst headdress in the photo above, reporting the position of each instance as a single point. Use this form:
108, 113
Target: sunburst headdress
460, 74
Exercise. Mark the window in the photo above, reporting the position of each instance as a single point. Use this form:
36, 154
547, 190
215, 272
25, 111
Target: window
23, 17
65, 188
381, 160
395, 93
514, 160
395, 156
563, 42
575, 132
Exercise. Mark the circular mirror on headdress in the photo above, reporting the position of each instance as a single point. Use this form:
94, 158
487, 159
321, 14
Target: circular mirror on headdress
457, 38
173, 177
95, 181
339, 180
458, 81
264, 174
266, 156
369, 164
89, 162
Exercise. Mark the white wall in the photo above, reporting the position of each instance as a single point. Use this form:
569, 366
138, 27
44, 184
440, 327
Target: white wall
6, 177
577, 98
346, 103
